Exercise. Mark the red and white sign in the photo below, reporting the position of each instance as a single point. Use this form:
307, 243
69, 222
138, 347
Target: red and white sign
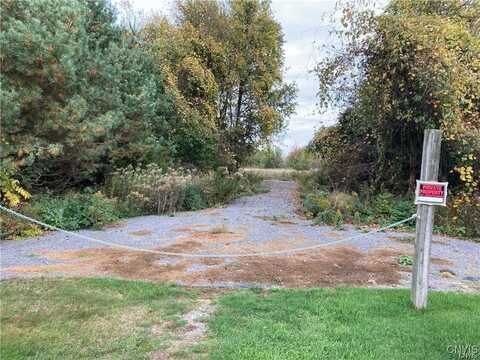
431, 193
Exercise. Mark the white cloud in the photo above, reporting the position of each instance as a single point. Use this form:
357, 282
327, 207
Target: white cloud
306, 28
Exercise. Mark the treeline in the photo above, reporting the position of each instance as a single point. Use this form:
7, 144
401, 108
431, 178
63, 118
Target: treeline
270, 157
415, 66
83, 95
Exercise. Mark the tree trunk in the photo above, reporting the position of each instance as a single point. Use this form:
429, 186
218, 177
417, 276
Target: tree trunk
239, 104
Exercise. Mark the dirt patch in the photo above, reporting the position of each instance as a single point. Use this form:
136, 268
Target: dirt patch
186, 246
438, 261
115, 225
325, 267
330, 267
282, 220
216, 235
189, 335
140, 233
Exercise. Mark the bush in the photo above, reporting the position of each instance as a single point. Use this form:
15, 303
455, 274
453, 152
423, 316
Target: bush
222, 189
151, 190
384, 208
315, 203
71, 211
75, 211
11, 192
338, 207
132, 193
219, 188
13, 228
194, 198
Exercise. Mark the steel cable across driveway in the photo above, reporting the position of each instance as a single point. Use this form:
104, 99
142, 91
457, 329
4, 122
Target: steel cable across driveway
200, 255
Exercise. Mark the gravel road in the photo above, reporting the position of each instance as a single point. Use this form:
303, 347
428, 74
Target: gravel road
262, 219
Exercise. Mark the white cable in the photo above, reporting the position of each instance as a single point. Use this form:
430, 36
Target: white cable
188, 255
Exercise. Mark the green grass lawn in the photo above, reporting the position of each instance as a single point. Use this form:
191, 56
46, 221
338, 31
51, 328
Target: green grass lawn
87, 318
115, 319
342, 324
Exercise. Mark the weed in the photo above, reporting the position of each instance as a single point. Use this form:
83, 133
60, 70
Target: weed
405, 260
220, 229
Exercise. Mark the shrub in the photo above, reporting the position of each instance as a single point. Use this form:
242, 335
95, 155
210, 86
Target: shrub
315, 203
330, 217
339, 207
222, 189
273, 174
194, 198
149, 190
11, 192
132, 192
75, 211
152, 190
336, 208
13, 228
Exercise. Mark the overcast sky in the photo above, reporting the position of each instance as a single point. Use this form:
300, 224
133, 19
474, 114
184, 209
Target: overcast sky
306, 29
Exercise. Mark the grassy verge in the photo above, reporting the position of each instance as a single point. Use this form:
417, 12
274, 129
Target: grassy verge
113, 319
342, 324
87, 318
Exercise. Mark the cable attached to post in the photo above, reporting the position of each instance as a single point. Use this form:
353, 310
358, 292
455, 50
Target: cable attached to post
189, 255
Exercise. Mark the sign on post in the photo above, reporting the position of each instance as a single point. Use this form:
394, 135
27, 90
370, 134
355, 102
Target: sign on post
428, 194
431, 193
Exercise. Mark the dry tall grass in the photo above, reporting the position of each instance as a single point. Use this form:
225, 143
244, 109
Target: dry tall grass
275, 174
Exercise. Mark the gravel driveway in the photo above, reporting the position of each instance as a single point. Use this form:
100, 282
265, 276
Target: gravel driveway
254, 223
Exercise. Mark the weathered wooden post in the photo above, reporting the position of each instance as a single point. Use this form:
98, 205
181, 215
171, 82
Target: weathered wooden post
425, 212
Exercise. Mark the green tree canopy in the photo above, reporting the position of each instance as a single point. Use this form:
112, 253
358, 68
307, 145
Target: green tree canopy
77, 97
415, 66
224, 62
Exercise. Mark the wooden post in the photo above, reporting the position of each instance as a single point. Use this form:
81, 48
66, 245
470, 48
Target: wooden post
421, 263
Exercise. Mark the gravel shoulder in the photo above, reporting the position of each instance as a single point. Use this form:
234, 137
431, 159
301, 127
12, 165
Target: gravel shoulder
263, 222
